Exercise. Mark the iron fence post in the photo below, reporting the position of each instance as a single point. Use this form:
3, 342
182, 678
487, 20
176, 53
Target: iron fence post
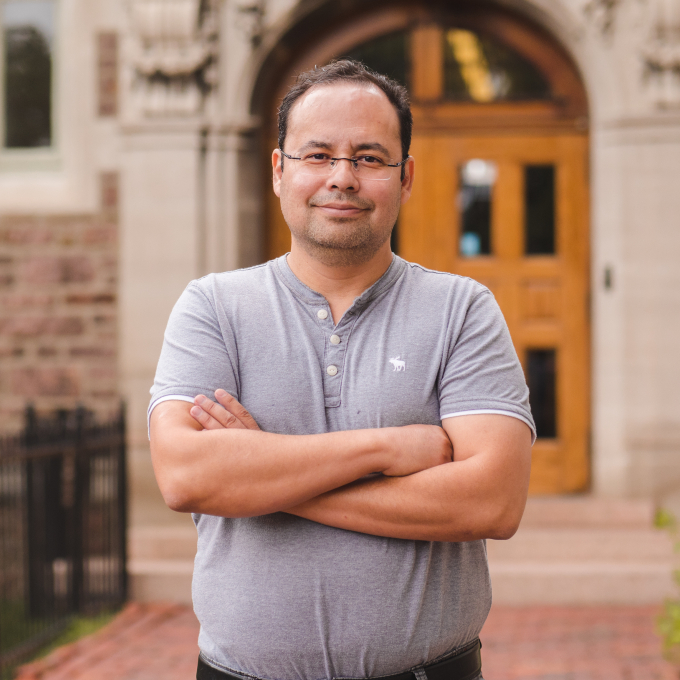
122, 502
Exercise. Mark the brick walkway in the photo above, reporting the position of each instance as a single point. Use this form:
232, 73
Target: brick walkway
158, 642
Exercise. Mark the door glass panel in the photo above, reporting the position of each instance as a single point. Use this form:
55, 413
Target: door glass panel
387, 54
541, 379
481, 69
28, 36
477, 178
539, 209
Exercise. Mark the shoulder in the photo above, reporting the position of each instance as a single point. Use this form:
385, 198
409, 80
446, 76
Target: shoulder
234, 280
237, 284
439, 286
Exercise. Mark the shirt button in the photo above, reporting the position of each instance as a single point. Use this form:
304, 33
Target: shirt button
335, 339
322, 314
332, 370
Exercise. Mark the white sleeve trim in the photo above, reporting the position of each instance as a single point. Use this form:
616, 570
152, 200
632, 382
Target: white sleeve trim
170, 397
496, 412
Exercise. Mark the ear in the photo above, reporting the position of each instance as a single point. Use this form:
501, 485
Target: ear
407, 182
277, 171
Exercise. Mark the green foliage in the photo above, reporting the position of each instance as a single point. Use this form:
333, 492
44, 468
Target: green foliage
78, 628
17, 628
665, 520
668, 623
18, 632
15, 625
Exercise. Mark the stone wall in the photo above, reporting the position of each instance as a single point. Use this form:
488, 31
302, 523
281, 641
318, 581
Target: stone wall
58, 311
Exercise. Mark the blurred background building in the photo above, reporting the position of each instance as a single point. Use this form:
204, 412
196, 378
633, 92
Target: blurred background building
135, 156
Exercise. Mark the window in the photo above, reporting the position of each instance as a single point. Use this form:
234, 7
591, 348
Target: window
480, 69
387, 54
28, 33
539, 209
475, 194
541, 371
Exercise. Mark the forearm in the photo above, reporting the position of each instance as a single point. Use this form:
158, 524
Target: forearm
240, 473
216, 461
453, 502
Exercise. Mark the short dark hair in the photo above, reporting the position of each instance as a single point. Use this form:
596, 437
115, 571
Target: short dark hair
353, 71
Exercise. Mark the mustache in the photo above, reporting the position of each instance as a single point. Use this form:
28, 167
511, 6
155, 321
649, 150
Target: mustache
346, 199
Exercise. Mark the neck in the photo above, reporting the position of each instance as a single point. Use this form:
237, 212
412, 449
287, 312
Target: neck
340, 283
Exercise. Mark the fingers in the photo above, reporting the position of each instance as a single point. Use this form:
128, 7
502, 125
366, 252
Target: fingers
204, 419
236, 409
212, 416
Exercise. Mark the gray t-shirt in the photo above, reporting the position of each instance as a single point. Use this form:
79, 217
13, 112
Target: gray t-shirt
284, 598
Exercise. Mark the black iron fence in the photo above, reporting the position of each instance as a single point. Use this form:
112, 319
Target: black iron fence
62, 526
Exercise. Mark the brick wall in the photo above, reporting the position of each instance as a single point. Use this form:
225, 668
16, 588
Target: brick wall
58, 281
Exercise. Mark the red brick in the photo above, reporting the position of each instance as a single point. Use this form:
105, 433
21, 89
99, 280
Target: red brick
90, 298
24, 301
95, 352
11, 352
23, 326
100, 374
77, 269
103, 394
45, 382
66, 326
47, 351
27, 236
38, 325
45, 270
98, 235
151, 641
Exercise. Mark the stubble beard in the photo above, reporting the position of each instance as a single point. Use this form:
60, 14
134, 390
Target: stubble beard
355, 245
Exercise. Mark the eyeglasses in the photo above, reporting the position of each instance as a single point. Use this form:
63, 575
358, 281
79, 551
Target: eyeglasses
364, 167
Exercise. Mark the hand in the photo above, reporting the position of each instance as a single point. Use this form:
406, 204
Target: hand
417, 447
228, 413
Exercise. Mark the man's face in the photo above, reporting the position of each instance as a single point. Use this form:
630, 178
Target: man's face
341, 218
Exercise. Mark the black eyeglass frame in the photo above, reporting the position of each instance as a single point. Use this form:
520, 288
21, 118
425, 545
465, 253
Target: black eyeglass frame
354, 160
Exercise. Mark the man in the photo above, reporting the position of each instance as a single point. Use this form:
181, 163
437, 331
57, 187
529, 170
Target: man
370, 422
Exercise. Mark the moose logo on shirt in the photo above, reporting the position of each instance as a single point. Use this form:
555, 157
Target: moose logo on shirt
398, 365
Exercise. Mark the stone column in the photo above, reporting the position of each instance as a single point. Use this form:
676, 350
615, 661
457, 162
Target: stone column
167, 83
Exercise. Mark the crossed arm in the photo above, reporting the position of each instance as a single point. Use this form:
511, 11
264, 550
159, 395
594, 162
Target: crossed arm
466, 481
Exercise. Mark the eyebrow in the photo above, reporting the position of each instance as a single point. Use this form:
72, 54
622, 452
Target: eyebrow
365, 146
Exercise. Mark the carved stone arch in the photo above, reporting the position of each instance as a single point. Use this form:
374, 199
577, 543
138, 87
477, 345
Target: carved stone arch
318, 31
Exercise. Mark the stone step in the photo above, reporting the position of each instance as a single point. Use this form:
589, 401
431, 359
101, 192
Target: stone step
161, 563
158, 543
583, 550
573, 545
587, 512
575, 550
573, 583
160, 580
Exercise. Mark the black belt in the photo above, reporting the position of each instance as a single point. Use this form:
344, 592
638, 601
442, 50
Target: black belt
465, 665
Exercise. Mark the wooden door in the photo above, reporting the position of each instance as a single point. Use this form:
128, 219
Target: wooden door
544, 295
500, 194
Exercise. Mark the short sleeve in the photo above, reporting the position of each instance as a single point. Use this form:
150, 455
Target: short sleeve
482, 373
194, 359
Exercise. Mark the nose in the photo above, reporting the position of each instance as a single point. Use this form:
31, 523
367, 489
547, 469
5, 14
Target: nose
342, 177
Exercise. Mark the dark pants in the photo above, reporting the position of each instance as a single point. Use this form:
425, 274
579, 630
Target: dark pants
206, 672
